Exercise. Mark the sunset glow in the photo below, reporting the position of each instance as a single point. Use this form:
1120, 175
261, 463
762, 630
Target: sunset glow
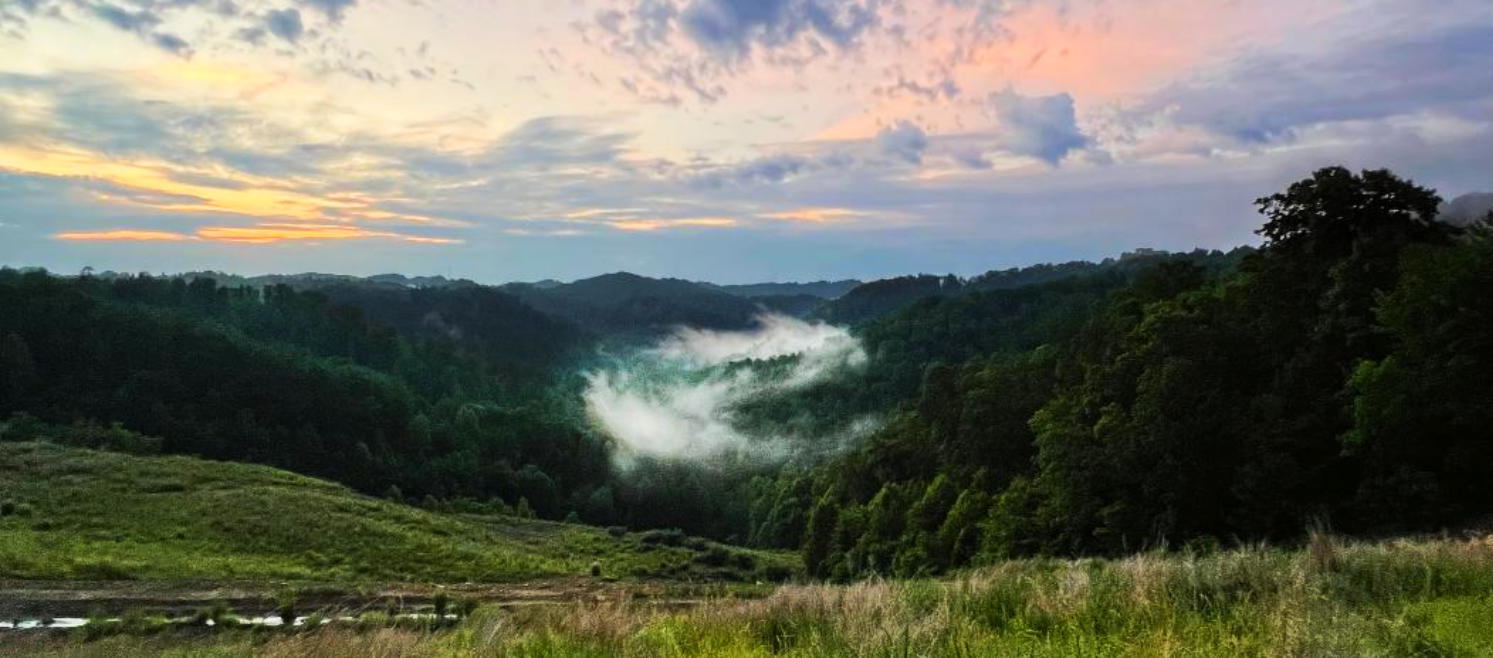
677, 136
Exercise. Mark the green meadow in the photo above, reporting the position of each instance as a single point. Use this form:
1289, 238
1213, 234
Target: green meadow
73, 514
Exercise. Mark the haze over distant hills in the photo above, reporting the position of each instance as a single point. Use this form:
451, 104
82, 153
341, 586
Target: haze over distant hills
1467, 208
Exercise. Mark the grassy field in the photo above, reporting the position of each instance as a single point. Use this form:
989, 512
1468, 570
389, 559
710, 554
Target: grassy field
78, 515
71, 514
1423, 598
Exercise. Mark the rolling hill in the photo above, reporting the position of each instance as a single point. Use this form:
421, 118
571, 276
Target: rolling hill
74, 514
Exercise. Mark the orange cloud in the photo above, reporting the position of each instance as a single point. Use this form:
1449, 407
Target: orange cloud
642, 225
258, 234
590, 213
124, 235
813, 215
242, 194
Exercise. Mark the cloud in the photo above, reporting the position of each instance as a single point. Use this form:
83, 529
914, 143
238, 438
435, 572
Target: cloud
123, 235
129, 21
285, 23
267, 233
677, 399
1269, 97
903, 140
646, 26
813, 215
334, 9
731, 27
972, 158
775, 168
143, 22
943, 88
590, 213
560, 140
171, 43
645, 225
1042, 127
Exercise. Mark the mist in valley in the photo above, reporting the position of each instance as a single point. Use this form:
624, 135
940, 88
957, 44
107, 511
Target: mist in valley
682, 397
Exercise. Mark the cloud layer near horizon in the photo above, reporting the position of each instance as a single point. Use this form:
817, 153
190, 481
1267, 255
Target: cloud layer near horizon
721, 139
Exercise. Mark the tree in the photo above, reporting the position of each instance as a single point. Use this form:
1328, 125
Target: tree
1421, 418
928, 513
1328, 214
17, 370
819, 536
959, 537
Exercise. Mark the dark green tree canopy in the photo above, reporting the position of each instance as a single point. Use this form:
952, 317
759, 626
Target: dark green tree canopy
1325, 215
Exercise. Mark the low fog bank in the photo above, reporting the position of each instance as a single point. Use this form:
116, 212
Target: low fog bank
679, 398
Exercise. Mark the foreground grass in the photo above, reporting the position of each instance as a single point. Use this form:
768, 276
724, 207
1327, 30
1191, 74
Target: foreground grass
85, 515
1427, 598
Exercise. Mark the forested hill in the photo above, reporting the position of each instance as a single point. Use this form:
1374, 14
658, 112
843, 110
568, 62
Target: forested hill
625, 303
498, 327
1337, 377
819, 289
294, 380
879, 298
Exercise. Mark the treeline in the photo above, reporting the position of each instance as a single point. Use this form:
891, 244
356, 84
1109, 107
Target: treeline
1335, 376
953, 328
870, 301
290, 379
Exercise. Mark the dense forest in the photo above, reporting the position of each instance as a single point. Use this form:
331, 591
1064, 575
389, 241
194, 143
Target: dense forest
1330, 375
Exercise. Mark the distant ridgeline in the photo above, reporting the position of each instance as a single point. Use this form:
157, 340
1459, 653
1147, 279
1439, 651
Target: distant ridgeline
1336, 373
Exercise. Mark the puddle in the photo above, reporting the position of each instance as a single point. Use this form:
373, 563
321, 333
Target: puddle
58, 622
268, 621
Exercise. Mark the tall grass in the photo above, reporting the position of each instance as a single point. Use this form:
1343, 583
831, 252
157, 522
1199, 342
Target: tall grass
1399, 598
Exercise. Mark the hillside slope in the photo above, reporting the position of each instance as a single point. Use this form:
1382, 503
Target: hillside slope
82, 514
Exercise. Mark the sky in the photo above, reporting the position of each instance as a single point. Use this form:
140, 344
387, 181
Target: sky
723, 140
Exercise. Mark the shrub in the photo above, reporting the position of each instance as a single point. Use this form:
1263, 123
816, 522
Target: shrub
717, 556
671, 537
139, 622
372, 620
523, 510
218, 614
776, 572
465, 607
1322, 550
285, 606
7, 507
